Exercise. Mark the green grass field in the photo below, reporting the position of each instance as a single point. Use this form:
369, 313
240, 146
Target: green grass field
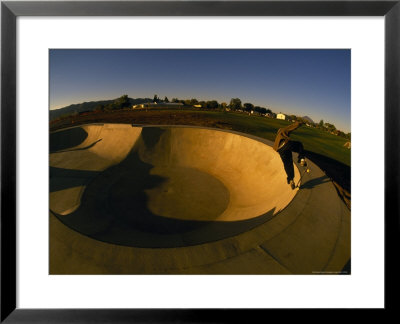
313, 139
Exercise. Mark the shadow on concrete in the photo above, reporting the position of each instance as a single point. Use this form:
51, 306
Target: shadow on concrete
61, 179
81, 148
151, 136
66, 139
310, 184
337, 171
114, 207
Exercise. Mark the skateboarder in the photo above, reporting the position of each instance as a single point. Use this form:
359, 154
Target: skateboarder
285, 146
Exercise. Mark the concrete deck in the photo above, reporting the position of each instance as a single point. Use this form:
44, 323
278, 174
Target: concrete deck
176, 200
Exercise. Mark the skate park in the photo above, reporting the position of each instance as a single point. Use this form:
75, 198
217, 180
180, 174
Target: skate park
133, 199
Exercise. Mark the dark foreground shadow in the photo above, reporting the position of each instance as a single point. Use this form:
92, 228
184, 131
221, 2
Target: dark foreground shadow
310, 184
114, 207
339, 172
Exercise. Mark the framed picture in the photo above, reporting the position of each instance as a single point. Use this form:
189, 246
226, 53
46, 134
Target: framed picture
149, 142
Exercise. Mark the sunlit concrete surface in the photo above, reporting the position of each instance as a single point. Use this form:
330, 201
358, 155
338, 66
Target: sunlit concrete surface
130, 199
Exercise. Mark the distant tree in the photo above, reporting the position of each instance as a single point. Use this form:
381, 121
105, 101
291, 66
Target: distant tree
248, 106
341, 134
321, 123
213, 104
203, 104
330, 127
263, 110
156, 99
235, 104
193, 101
121, 102
166, 99
175, 100
224, 105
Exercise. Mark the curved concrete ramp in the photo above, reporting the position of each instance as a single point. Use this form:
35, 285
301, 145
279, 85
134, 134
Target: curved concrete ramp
168, 186
127, 199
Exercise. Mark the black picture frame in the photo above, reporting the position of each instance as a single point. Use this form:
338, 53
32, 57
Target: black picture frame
10, 10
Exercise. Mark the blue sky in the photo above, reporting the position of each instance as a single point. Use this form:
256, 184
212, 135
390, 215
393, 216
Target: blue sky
315, 83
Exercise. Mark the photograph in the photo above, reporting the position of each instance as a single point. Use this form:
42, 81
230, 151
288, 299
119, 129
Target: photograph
199, 161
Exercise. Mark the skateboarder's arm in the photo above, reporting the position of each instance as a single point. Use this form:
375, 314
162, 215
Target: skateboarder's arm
283, 135
292, 127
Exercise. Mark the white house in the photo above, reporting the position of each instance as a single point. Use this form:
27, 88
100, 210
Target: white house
281, 116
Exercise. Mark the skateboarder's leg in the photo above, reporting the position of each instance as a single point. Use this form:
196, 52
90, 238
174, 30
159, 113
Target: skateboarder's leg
297, 147
287, 159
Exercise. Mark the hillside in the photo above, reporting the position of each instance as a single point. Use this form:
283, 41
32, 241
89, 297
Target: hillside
89, 106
